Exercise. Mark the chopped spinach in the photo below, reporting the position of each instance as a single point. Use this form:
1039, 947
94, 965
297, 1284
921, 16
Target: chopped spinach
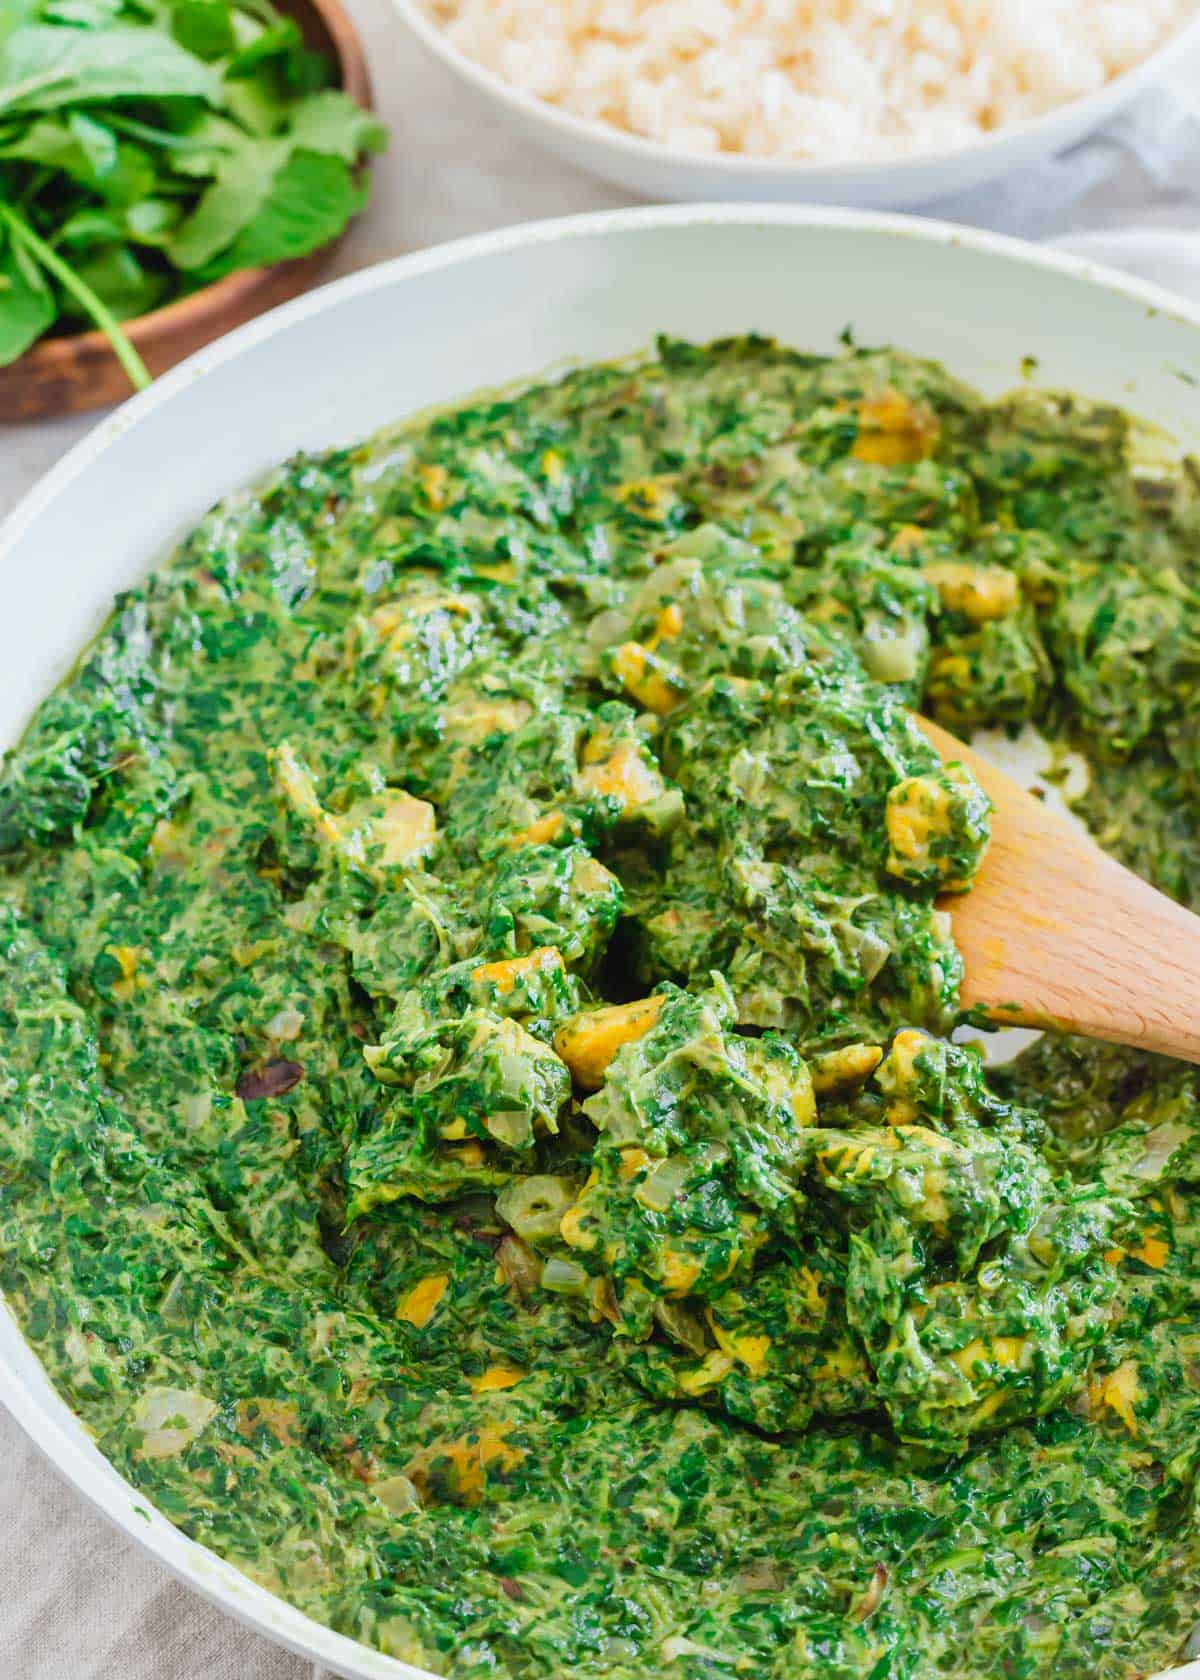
481, 1143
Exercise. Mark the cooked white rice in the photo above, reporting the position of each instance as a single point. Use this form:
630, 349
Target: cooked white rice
825, 79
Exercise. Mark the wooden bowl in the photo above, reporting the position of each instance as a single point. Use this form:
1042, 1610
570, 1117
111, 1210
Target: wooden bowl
69, 375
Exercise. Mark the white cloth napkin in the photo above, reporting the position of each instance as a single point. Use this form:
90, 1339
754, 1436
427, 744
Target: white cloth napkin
77, 1600
1143, 170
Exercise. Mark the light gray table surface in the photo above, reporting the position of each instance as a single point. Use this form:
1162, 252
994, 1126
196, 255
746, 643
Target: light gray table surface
77, 1600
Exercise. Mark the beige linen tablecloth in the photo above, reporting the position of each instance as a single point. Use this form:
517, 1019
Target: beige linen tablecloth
77, 1600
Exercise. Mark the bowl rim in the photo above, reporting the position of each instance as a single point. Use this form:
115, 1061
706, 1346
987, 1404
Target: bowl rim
748, 167
200, 1569
146, 332
551, 230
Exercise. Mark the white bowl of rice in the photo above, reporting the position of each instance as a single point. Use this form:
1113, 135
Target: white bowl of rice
875, 103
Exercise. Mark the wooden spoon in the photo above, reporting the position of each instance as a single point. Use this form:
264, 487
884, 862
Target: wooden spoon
1053, 933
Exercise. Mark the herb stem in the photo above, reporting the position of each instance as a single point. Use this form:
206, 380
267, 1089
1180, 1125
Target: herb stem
162, 136
94, 307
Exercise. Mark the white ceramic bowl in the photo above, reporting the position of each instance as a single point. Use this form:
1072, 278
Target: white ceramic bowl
335, 364
1169, 257
659, 172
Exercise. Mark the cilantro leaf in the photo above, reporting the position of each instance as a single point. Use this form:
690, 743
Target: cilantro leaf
83, 14
36, 260
204, 27
331, 122
88, 152
27, 305
121, 282
239, 190
312, 197
14, 15
42, 67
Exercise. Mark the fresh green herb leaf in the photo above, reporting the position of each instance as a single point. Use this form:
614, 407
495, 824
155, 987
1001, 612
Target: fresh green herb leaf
27, 307
331, 122
258, 104
97, 145
198, 149
142, 143
43, 67
276, 41
51, 142
80, 14
121, 281
25, 241
91, 227
89, 153
14, 15
152, 221
205, 28
242, 186
312, 198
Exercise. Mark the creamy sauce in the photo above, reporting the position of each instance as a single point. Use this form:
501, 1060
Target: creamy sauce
481, 1146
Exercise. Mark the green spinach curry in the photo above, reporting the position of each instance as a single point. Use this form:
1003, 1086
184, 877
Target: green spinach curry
481, 1144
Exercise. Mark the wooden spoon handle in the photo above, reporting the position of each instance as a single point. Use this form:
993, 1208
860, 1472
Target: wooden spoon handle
1055, 933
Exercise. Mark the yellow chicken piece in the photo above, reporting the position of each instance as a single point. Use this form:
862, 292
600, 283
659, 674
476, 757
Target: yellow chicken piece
750, 1351
653, 682
679, 1270
402, 827
839, 1070
793, 1088
472, 1456
980, 593
892, 431
571, 1226
540, 832
652, 498
382, 831
127, 958
918, 812
633, 1161
504, 975
497, 1377
397, 622
433, 480
670, 624
500, 571
1154, 1252
840, 1362
1008, 1351
588, 1042
1120, 1391
711, 1371
898, 1075
908, 540
421, 1302
624, 776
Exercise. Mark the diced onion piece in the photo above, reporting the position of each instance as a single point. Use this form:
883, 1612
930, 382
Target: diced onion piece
564, 1277
170, 1419
534, 1206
